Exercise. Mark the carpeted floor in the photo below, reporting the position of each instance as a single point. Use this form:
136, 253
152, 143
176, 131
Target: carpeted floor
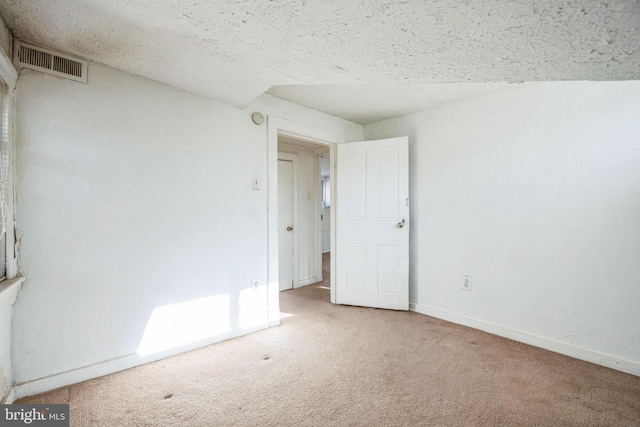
330, 365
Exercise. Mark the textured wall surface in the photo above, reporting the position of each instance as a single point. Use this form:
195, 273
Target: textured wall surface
535, 193
234, 51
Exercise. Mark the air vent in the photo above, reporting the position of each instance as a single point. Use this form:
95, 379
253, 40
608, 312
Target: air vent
50, 62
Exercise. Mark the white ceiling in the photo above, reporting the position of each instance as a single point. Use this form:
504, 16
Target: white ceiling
371, 103
412, 52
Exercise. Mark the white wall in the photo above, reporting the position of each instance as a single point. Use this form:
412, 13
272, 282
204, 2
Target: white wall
535, 193
139, 228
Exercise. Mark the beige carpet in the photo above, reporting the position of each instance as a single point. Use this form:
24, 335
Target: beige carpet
348, 366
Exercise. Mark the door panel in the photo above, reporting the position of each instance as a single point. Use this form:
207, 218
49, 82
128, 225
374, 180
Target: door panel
372, 224
389, 176
356, 263
357, 185
285, 219
388, 260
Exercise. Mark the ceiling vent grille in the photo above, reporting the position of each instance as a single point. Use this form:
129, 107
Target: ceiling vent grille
50, 62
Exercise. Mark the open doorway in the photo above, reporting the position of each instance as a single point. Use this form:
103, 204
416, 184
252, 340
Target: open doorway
370, 238
278, 128
325, 216
304, 243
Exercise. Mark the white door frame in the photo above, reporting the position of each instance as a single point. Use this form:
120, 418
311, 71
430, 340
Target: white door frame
319, 210
278, 126
9, 79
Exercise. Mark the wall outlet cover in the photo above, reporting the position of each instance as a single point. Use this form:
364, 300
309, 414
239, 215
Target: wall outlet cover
466, 283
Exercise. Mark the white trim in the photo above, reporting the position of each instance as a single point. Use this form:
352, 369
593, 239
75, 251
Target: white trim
275, 126
9, 396
9, 77
609, 361
8, 73
333, 172
309, 281
317, 225
319, 152
317, 209
74, 376
9, 289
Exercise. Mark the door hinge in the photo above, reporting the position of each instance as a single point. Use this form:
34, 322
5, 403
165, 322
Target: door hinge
407, 202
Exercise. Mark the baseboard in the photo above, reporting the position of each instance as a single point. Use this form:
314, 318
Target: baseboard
274, 322
111, 366
306, 282
9, 396
609, 361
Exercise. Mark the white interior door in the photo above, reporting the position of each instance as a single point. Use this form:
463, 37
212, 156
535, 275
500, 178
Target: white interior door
285, 224
372, 224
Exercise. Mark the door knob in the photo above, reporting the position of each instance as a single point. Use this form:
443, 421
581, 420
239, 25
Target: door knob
401, 223
289, 228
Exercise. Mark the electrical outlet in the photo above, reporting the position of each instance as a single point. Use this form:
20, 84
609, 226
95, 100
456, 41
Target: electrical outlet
466, 282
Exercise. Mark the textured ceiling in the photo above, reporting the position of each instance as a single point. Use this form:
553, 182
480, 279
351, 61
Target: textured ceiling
235, 50
371, 103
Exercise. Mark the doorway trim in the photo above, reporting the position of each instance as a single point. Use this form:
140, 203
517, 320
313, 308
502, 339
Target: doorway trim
278, 126
319, 208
